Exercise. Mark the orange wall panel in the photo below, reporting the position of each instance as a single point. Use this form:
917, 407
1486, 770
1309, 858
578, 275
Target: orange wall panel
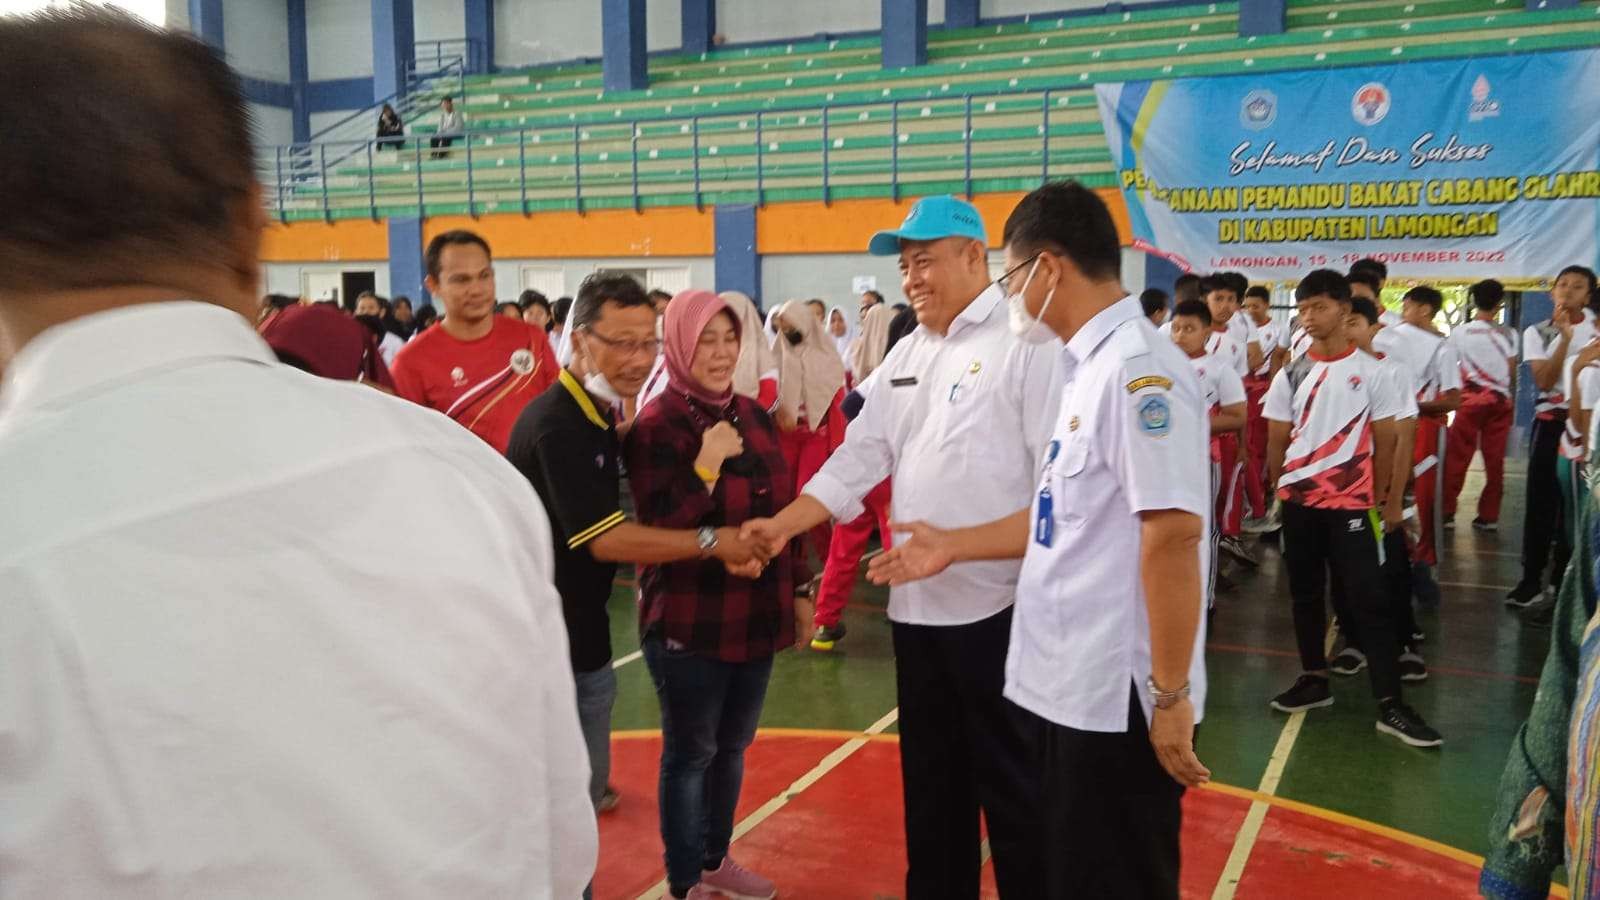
325, 242
847, 225
670, 231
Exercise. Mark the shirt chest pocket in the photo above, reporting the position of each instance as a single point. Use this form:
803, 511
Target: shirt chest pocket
965, 400
1066, 482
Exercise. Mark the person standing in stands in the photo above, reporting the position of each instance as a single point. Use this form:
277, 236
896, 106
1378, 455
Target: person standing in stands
1153, 303
959, 417
476, 367
1274, 341
566, 444
1330, 487
1436, 374
452, 125
213, 686
1488, 355
1106, 650
391, 130
702, 456
1545, 346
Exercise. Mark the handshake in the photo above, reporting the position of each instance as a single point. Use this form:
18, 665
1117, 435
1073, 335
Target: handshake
746, 550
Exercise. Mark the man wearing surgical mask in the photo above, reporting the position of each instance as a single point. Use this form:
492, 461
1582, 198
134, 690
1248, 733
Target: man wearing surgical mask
958, 416
565, 443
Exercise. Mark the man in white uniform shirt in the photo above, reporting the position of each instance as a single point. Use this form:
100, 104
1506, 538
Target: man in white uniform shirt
1487, 351
211, 687
1545, 346
958, 414
1106, 647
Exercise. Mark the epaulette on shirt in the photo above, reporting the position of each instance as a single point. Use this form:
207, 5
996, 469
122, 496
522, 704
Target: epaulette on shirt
1129, 340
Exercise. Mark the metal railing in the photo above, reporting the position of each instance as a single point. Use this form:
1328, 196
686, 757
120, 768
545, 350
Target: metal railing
433, 55
493, 169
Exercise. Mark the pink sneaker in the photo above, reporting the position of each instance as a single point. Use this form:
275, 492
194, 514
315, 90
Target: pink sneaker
735, 881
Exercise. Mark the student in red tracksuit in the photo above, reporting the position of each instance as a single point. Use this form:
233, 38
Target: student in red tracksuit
810, 387
1436, 373
1488, 354
1274, 340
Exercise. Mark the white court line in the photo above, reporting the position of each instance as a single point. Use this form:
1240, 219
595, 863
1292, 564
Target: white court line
1474, 586
619, 663
1245, 840
828, 764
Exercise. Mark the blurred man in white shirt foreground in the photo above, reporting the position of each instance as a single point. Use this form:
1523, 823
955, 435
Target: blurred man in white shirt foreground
211, 686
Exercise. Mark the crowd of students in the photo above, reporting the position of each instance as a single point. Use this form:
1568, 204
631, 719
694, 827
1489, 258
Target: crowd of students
214, 686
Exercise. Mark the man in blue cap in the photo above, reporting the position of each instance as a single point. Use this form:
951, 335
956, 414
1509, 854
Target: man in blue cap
958, 415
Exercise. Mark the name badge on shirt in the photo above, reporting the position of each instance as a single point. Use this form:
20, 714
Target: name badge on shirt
908, 381
1044, 524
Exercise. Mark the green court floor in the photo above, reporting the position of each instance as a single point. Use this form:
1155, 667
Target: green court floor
1483, 660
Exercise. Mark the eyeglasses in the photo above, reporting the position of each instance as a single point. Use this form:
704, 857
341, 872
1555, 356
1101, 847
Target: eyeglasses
1004, 281
649, 346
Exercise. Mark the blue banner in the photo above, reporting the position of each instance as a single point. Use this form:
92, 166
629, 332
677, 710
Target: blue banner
1470, 168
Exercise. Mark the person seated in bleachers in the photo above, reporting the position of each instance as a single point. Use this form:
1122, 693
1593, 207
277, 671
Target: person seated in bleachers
391, 129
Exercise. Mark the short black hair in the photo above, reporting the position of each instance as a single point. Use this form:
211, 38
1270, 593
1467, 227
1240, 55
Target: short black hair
1425, 294
532, 297
1188, 281
1152, 301
403, 299
1258, 290
1364, 308
559, 310
501, 308
602, 288
1376, 267
1366, 277
426, 315
876, 297
1487, 294
815, 302
1067, 218
459, 237
127, 149
1584, 271
656, 294
1195, 309
1233, 282
1323, 283
281, 301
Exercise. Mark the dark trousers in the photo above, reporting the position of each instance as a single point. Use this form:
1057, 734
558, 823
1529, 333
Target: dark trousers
709, 710
441, 142
1544, 521
963, 747
1395, 576
1345, 540
1112, 814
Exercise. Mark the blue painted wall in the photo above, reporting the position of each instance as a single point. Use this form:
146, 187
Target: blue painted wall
738, 266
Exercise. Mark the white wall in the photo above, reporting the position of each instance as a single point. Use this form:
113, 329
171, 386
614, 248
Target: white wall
322, 120
546, 31
285, 278
508, 272
439, 20
989, 9
742, 21
338, 39
664, 24
178, 15
271, 125
255, 34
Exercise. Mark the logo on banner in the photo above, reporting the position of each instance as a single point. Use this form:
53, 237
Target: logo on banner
1483, 106
1370, 104
1259, 110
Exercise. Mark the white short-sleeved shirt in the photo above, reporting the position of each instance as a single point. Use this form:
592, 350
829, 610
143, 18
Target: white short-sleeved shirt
1572, 443
1330, 405
960, 422
1219, 385
1130, 438
1388, 318
218, 680
1538, 342
1432, 362
1273, 336
1241, 329
1397, 382
1228, 351
1486, 352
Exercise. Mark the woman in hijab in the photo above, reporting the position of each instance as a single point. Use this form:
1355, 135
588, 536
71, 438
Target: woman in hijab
703, 456
756, 375
320, 339
843, 333
870, 349
811, 384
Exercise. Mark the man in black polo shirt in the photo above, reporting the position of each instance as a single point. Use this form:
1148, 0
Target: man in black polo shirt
565, 442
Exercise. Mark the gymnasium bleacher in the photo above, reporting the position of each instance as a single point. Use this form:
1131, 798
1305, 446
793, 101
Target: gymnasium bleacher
822, 120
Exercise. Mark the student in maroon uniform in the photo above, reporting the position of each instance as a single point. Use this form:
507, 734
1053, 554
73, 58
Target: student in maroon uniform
476, 367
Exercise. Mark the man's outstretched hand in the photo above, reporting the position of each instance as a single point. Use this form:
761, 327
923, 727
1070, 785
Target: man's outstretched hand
765, 534
925, 553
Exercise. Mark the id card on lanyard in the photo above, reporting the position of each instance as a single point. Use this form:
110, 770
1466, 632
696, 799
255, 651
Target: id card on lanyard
1044, 524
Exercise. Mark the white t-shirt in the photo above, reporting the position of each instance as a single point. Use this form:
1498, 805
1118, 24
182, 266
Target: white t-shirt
1572, 443
389, 346
1229, 351
1432, 362
1241, 329
1299, 343
1219, 384
1486, 352
1330, 405
1273, 336
1536, 347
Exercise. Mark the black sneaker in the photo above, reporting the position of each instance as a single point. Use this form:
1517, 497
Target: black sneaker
1484, 525
1236, 549
1418, 636
1348, 662
1424, 587
1412, 667
1397, 719
827, 636
1309, 692
1524, 595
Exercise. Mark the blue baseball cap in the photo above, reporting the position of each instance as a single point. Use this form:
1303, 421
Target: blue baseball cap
930, 219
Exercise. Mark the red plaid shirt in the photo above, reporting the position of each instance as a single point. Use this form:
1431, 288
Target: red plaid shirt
697, 604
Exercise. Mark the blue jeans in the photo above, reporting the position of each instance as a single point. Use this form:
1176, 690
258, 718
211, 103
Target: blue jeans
709, 710
597, 693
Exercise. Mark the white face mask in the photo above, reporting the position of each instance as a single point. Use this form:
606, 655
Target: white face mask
1030, 329
597, 385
